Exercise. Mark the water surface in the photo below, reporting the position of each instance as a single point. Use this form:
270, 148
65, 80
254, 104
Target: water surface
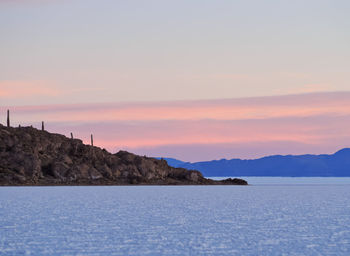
176, 220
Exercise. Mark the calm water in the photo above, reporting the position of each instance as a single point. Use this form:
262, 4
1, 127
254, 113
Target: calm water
176, 220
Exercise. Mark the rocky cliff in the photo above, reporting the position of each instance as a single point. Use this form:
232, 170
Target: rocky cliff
32, 157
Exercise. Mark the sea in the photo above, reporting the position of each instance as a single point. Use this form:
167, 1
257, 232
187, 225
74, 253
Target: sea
271, 216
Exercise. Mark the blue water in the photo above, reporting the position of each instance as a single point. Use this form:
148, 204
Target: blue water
176, 220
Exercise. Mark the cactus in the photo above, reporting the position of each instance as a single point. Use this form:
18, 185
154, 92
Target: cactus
8, 118
71, 135
42, 126
92, 140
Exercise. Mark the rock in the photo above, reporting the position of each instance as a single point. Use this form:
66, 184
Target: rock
59, 170
66, 159
83, 171
193, 176
94, 174
33, 157
236, 181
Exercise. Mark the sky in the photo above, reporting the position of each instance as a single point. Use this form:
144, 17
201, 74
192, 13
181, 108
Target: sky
194, 80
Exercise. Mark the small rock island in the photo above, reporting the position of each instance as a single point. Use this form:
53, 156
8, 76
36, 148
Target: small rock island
33, 157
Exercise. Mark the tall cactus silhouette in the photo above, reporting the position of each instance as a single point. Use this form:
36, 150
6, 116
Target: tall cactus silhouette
92, 140
71, 135
42, 126
8, 118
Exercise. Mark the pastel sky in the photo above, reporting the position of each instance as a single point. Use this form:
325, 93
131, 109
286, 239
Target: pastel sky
190, 79
204, 129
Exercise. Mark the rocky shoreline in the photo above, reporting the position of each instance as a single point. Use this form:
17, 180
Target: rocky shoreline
32, 157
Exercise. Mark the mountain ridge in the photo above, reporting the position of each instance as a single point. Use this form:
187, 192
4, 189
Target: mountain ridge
306, 165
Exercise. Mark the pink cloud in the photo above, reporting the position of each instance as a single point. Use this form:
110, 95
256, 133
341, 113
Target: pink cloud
235, 109
156, 133
319, 121
26, 89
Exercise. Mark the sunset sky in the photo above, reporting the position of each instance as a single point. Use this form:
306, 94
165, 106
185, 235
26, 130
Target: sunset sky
193, 80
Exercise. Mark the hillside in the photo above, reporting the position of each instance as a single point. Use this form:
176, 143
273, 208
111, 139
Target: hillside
335, 165
33, 157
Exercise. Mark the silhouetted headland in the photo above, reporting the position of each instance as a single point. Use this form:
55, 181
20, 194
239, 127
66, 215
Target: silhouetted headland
29, 156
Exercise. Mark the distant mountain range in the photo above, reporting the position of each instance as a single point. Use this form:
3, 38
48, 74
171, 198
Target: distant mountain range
335, 165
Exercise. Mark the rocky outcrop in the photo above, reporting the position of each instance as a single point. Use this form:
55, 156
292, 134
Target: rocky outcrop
32, 157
